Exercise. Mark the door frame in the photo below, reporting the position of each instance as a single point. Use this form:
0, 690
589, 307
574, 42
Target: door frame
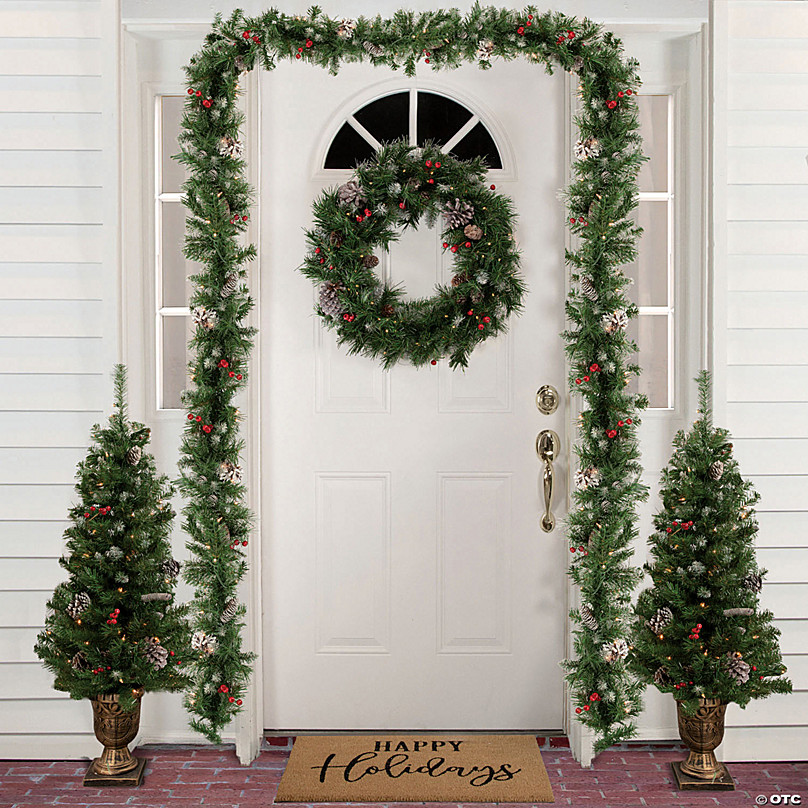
138, 348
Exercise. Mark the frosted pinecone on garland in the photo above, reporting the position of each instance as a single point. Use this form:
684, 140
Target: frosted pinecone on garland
79, 662
473, 231
612, 651
204, 317
78, 605
200, 641
329, 300
230, 147
588, 289
587, 147
133, 455
346, 28
229, 611
155, 653
485, 49
737, 668
350, 193
458, 214
373, 49
753, 582
660, 619
230, 284
585, 478
588, 617
615, 321
661, 677
170, 568
230, 472
716, 470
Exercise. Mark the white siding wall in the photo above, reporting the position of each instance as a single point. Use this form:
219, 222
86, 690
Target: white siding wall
761, 340
58, 326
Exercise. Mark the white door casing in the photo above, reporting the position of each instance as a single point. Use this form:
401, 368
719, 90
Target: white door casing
407, 584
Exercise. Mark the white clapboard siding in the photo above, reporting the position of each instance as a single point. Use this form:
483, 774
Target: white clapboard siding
51, 318
45, 20
61, 712
51, 93
40, 354
51, 205
20, 680
31, 538
39, 465
69, 131
57, 281
68, 242
23, 609
77, 391
18, 644
765, 370
38, 57
51, 168
24, 501
32, 573
50, 428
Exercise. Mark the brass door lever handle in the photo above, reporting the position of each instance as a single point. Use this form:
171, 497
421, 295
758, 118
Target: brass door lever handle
547, 448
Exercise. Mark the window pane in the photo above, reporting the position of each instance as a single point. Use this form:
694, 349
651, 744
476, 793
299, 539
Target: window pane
387, 118
173, 173
650, 271
176, 268
654, 130
348, 148
176, 333
439, 118
478, 143
650, 332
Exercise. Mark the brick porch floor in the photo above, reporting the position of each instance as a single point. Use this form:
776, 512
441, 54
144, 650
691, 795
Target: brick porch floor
180, 776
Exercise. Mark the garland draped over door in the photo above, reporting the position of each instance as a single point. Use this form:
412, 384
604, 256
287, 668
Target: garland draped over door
602, 523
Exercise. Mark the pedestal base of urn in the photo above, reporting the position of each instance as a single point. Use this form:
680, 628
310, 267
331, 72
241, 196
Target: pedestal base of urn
131, 779
721, 781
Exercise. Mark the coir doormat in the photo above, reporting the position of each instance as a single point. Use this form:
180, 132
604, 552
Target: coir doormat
415, 768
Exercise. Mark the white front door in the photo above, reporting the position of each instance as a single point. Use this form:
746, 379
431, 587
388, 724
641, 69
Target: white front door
407, 582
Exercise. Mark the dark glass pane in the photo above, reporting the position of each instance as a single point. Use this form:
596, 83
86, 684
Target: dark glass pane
387, 118
478, 143
439, 118
347, 149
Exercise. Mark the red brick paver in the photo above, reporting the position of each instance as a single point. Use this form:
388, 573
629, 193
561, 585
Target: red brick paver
183, 776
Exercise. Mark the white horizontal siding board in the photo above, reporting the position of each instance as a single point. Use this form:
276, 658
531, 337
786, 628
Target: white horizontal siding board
767, 166
783, 529
23, 609
767, 56
17, 645
47, 428
775, 238
32, 573
59, 281
750, 273
772, 346
43, 57
763, 743
778, 420
51, 206
767, 128
772, 455
779, 493
62, 131
793, 633
768, 383
787, 602
27, 680
56, 746
797, 665
49, 19
57, 715
779, 709
768, 21
51, 93
53, 169
44, 243
785, 566
27, 391
39, 465
52, 354
768, 310
32, 538
38, 318
758, 92
47, 501
768, 203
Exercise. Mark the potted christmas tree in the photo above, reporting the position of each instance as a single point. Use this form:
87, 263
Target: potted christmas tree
700, 633
112, 631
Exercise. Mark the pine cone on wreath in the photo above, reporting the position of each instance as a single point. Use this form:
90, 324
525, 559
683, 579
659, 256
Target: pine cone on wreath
615, 321
588, 617
370, 261
79, 662
737, 668
200, 641
458, 214
373, 49
329, 300
473, 231
78, 605
133, 455
485, 49
170, 568
350, 193
477, 296
662, 677
229, 612
715, 470
388, 310
230, 284
613, 651
458, 279
588, 289
335, 239
660, 619
753, 582
155, 653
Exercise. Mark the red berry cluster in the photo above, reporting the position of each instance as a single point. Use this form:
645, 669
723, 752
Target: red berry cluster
367, 214
236, 701
237, 219
113, 617
521, 29
206, 428
612, 433
481, 326
580, 220
593, 368
427, 54
349, 318
224, 365
101, 670
682, 684
564, 37
253, 37
682, 525
455, 247
309, 44
96, 511
611, 103
694, 635
236, 543
582, 550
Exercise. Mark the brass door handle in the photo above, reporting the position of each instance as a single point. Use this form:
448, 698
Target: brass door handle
547, 448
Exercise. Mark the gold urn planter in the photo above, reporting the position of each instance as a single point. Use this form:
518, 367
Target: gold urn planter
702, 733
115, 729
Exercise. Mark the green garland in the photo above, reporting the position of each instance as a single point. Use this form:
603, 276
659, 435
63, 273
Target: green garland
602, 525
395, 189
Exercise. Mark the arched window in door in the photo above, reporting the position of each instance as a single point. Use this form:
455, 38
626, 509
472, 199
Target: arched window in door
419, 116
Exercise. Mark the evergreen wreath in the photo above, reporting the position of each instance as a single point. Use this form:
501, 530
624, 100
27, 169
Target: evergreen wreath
396, 189
602, 522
